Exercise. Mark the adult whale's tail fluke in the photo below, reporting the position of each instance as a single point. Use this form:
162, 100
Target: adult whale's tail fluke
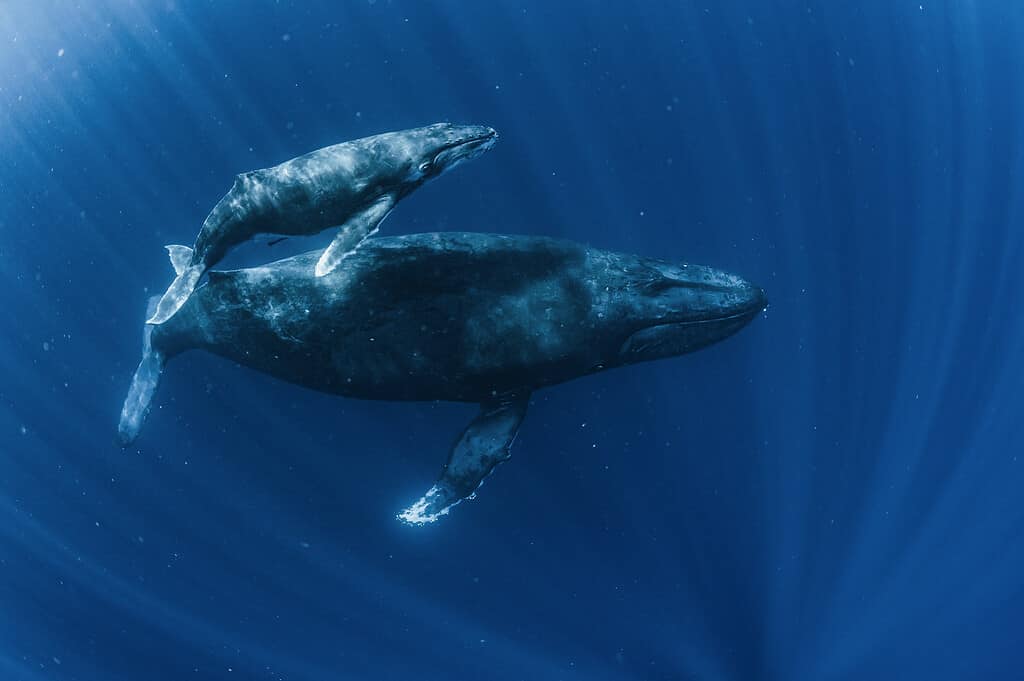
144, 383
187, 276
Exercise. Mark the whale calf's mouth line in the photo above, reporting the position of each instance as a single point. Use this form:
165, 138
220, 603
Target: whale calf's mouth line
478, 139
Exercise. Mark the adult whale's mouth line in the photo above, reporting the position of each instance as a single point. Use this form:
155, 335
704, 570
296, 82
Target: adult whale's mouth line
759, 305
666, 338
714, 320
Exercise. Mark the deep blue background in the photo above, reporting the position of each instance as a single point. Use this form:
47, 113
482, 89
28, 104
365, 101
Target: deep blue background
835, 493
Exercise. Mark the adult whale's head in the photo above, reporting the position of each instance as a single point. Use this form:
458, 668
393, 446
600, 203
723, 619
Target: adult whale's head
665, 310
420, 154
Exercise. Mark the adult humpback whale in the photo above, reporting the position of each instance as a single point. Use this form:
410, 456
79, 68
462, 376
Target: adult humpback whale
455, 316
354, 184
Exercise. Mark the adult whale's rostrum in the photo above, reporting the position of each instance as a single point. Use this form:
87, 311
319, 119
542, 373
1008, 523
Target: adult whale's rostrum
352, 185
450, 316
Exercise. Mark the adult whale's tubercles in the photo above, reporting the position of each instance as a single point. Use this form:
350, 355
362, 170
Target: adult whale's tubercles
480, 318
353, 185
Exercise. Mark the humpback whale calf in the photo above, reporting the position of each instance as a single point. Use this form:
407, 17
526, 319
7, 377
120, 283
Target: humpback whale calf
353, 185
464, 317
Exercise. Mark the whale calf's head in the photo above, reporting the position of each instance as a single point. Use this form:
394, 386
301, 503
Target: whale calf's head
424, 153
679, 309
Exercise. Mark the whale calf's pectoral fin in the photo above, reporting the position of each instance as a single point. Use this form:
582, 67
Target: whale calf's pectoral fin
355, 231
181, 257
483, 445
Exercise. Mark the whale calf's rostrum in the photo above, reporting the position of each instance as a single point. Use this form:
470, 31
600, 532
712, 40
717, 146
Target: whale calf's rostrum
352, 185
462, 317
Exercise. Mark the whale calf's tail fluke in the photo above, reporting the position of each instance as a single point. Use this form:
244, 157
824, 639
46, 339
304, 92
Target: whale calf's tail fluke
181, 288
144, 383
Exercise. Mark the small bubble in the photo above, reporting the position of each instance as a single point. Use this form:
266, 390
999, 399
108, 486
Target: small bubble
60, 52
286, 37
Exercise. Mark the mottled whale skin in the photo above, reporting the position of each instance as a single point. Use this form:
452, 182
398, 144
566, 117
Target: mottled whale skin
450, 316
353, 185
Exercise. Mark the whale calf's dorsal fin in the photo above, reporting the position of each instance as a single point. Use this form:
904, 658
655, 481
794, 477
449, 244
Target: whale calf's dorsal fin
484, 444
181, 257
355, 231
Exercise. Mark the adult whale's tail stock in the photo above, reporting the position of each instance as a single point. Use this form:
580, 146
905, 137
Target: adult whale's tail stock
144, 383
187, 274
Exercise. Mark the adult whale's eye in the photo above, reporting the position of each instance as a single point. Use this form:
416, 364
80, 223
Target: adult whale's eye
425, 166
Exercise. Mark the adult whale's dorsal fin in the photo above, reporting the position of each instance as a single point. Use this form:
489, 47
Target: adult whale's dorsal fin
355, 231
181, 257
483, 445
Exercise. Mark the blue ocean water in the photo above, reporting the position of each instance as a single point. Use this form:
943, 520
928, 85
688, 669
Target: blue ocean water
834, 493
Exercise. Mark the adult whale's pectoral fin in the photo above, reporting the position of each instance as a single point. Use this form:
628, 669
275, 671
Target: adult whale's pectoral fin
355, 231
483, 445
